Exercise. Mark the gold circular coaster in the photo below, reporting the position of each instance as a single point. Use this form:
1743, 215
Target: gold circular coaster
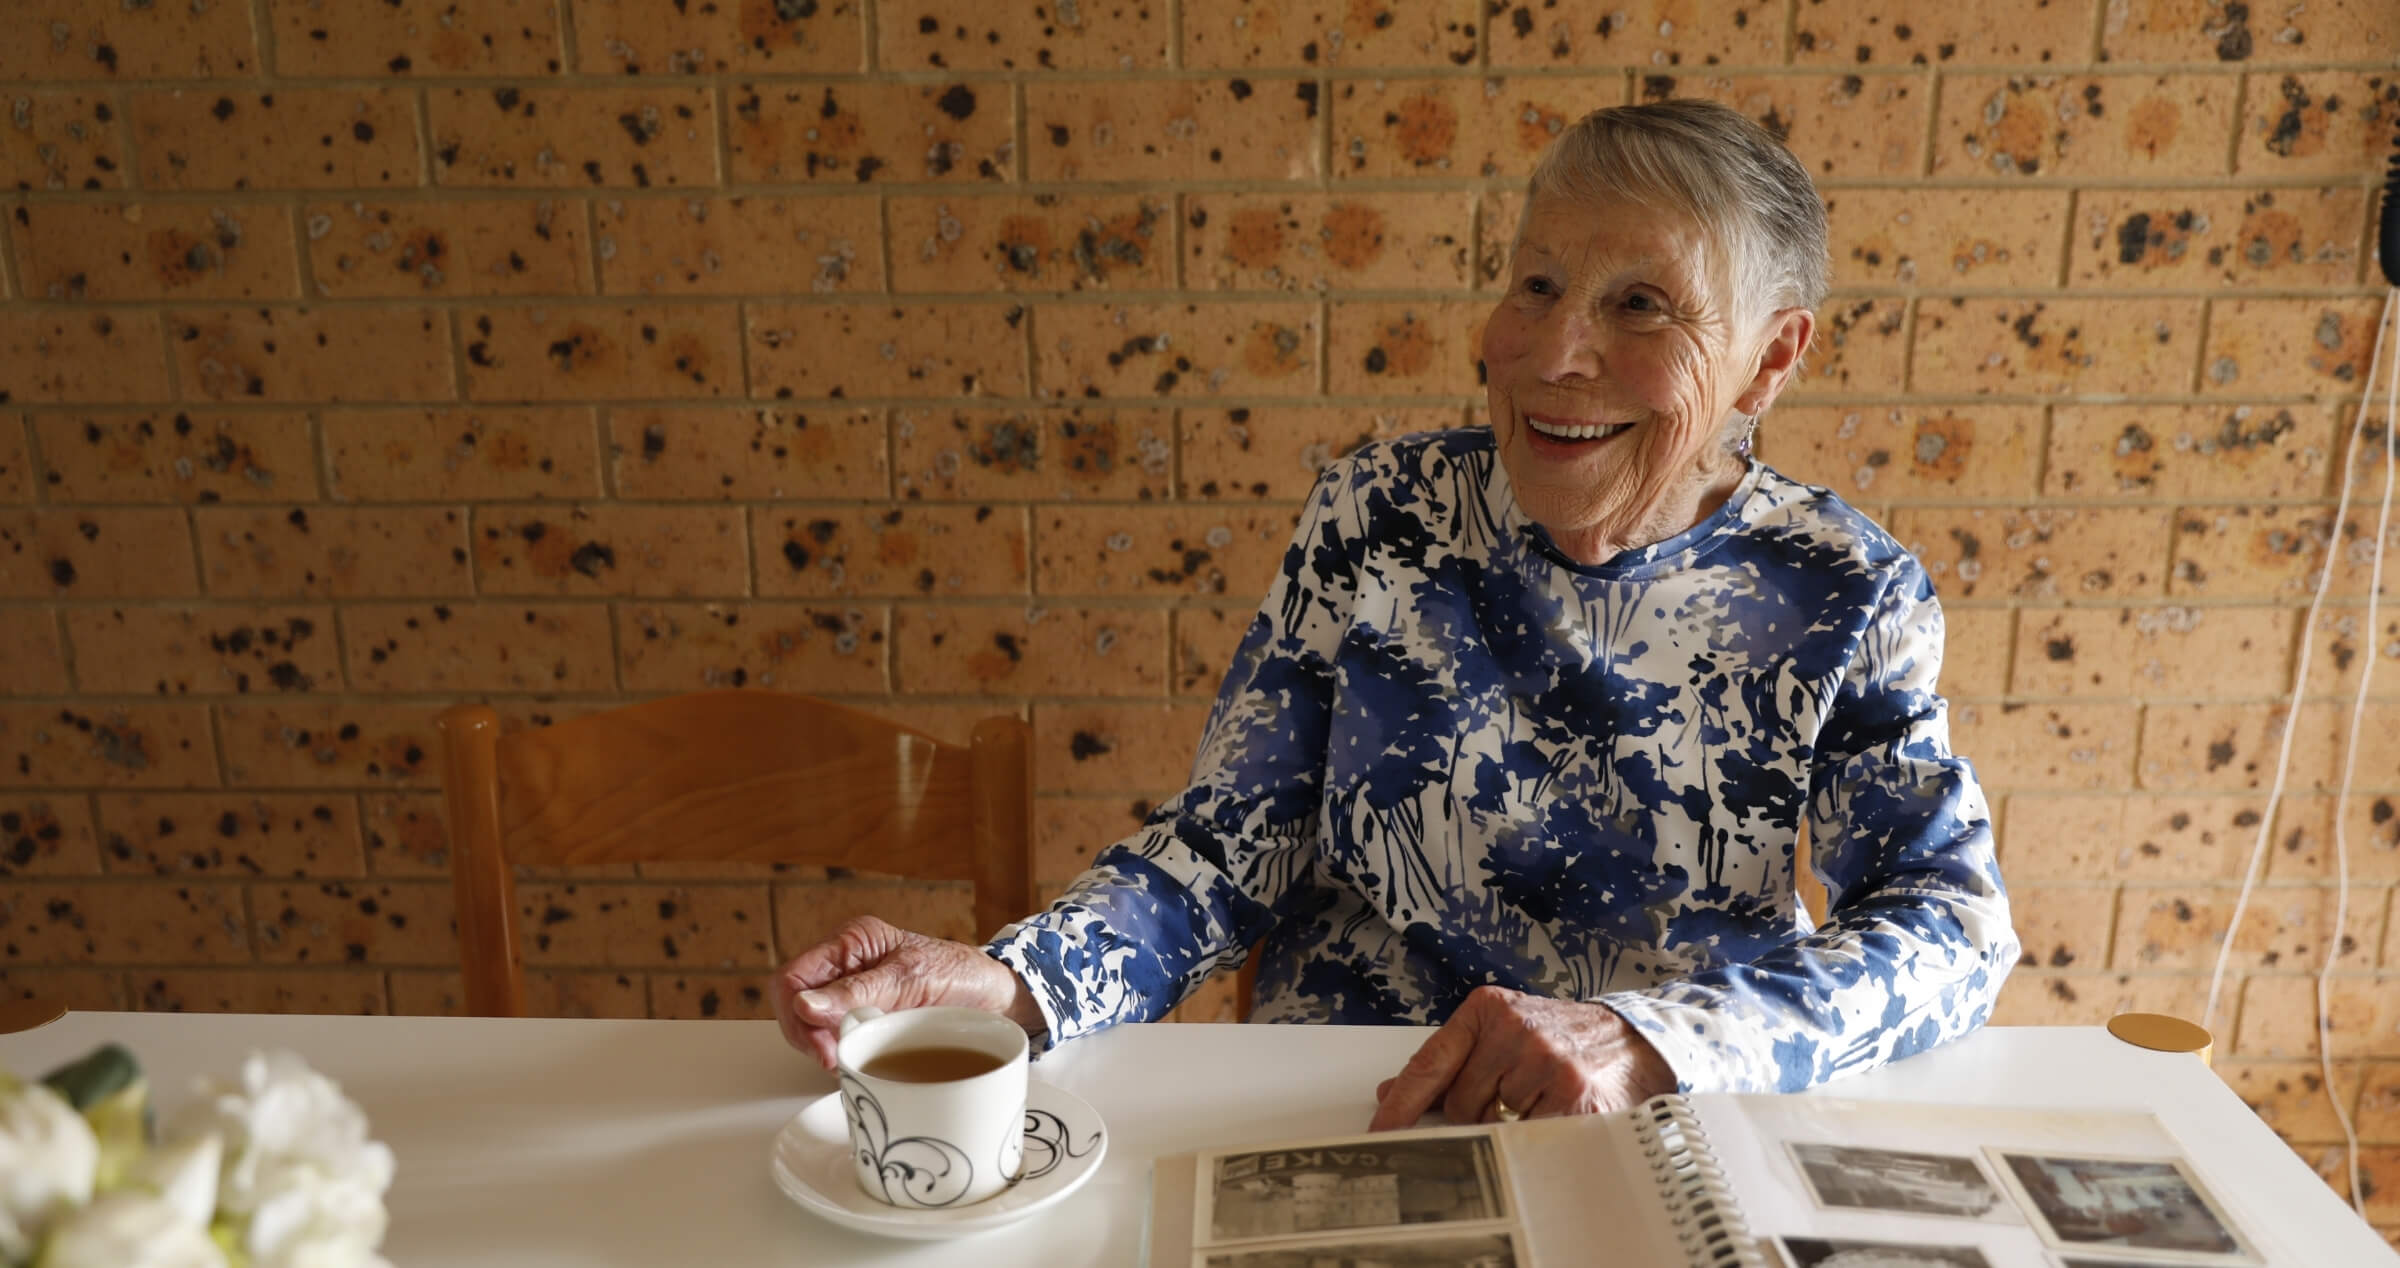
2162, 1033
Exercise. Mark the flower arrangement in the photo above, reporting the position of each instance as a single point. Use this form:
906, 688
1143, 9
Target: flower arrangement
274, 1170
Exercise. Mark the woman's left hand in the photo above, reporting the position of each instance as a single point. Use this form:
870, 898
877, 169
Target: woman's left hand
1535, 1055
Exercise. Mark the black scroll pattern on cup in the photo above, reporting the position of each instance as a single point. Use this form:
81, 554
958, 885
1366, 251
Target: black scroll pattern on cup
1048, 1142
913, 1170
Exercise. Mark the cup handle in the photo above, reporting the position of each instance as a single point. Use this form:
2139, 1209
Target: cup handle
859, 1016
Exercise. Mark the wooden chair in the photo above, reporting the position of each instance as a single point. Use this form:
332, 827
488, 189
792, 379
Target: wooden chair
747, 776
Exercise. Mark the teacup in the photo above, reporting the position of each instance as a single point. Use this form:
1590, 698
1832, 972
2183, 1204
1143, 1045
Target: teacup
935, 1100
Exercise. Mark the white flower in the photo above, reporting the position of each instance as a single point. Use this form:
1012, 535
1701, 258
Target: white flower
184, 1175
305, 1219
130, 1229
47, 1156
301, 1180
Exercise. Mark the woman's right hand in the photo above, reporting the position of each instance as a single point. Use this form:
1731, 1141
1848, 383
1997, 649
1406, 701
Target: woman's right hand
870, 962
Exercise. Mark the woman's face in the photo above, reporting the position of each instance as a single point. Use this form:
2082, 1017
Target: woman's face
1613, 365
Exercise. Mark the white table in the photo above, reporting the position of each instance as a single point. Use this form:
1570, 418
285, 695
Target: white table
545, 1144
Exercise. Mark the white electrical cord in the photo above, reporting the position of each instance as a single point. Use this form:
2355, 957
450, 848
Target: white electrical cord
2390, 376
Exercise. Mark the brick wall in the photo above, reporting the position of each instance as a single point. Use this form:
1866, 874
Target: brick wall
361, 358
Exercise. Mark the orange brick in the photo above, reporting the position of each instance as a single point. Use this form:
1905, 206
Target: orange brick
101, 924
976, 455
95, 554
1402, 128
1497, 216
2284, 929
2046, 998
69, 251
1030, 652
862, 132
2179, 31
334, 552
661, 926
416, 37
59, 39
1928, 237
1895, 32
787, 646
293, 138
1170, 130
2047, 747
2047, 837
2217, 747
2290, 1096
1330, 33
2330, 123
2038, 552
662, 37
559, 137
2289, 347
1069, 831
810, 912
204, 650
1205, 641
1415, 349
356, 993
16, 462
2268, 551
2056, 345
2300, 847
697, 997
64, 140
732, 246
354, 922
1159, 550
1091, 749
80, 357
908, 551
232, 834
313, 354
2084, 127
150, 457
594, 352
1645, 33
2152, 651
2378, 1120
44, 835
404, 834
548, 993
31, 660
1841, 126
1146, 350
115, 746
454, 650
1971, 451
1274, 453
397, 250
2159, 238
2243, 451
1975, 651
602, 549
1860, 348
2335, 663
1041, 242
912, 35
1318, 242
461, 453
872, 350
2378, 1175
2063, 926
731, 452
327, 744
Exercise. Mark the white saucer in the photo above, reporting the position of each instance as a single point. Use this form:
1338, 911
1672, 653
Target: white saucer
811, 1164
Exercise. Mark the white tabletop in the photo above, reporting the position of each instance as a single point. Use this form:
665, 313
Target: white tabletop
546, 1143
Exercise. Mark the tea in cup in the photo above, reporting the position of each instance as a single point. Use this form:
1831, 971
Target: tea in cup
935, 1102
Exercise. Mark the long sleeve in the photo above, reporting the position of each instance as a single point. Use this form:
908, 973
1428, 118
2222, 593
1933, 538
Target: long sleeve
1160, 911
1918, 939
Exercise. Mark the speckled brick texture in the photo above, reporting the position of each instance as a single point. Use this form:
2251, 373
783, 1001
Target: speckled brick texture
949, 358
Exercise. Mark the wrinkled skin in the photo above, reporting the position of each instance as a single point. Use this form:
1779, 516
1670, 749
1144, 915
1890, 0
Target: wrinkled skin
1540, 1057
869, 962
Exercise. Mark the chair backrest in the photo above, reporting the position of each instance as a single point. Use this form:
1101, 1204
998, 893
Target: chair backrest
725, 776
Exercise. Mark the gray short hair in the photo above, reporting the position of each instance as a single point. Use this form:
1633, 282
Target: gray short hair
1711, 162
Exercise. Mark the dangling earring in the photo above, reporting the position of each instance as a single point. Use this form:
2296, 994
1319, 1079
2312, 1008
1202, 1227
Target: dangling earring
1745, 433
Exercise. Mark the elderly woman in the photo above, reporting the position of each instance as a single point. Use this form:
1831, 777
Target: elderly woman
1525, 736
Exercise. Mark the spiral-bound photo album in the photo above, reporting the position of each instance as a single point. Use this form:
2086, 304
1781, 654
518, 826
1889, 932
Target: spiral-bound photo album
1714, 1181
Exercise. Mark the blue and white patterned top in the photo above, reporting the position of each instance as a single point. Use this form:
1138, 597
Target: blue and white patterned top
1446, 755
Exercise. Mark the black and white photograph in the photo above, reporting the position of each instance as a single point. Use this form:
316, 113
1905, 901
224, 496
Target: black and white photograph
1899, 1181
1851, 1252
2144, 1210
1359, 1184
1456, 1250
